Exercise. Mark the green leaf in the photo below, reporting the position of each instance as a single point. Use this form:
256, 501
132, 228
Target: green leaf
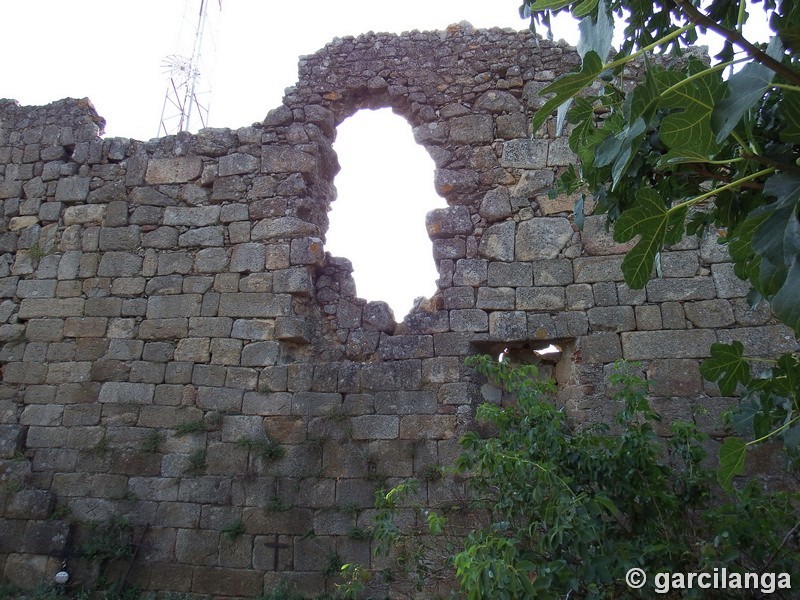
595, 34
657, 227
745, 89
786, 303
567, 86
791, 437
789, 112
727, 366
688, 129
584, 8
731, 461
549, 4
778, 237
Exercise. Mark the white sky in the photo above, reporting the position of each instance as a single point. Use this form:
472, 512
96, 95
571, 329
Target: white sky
112, 52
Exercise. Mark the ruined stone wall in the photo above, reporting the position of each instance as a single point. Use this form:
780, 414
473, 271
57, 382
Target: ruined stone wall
167, 308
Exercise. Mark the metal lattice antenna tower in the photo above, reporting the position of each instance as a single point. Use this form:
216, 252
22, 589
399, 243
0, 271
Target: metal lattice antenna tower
188, 94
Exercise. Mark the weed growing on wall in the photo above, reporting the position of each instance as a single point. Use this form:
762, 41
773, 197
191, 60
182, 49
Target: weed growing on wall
569, 512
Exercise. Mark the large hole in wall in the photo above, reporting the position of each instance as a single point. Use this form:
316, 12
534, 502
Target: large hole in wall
553, 359
384, 190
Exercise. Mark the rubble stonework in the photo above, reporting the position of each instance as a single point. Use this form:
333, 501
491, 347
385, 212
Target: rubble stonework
167, 305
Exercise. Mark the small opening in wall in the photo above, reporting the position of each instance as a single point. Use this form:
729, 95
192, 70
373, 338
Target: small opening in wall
384, 190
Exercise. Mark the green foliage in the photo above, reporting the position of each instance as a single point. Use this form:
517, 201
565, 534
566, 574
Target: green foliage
190, 427
334, 564
152, 442
686, 148
196, 462
570, 511
275, 504
282, 591
233, 530
355, 578
769, 407
265, 447
108, 541
359, 533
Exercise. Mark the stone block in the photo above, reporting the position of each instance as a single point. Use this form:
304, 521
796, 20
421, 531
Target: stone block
285, 159
238, 164
497, 242
532, 183
30, 504
597, 241
540, 298
600, 348
405, 403
508, 325
500, 298
405, 346
469, 319
727, 284
680, 289
267, 404
471, 129
48, 415
396, 375
31, 308
525, 154
127, 393
254, 305
542, 238
470, 272
571, 324
769, 340
455, 184
674, 377
437, 427
579, 296
173, 170
495, 205
36, 288
375, 427
196, 216
516, 274
174, 306
120, 264
448, 222
72, 189
307, 251
599, 268
709, 313
679, 264
260, 354
84, 214
449, 248
681, 343
45, 537
612, 318
648, 317
248, 257
204, 237
296, 280
459, 297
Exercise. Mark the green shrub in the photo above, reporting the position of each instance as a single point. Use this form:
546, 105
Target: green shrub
570, 511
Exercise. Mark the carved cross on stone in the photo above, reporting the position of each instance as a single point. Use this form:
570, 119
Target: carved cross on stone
276, 547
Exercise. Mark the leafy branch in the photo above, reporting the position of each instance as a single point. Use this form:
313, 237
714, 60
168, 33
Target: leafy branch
736, 38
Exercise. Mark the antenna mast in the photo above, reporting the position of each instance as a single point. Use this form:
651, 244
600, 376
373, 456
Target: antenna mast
186, 97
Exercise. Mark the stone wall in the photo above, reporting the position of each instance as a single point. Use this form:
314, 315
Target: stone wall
179, 351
